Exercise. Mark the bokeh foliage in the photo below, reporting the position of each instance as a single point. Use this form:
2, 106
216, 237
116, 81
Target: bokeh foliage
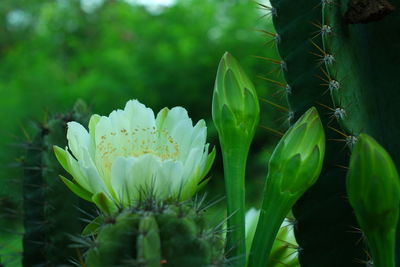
53, 52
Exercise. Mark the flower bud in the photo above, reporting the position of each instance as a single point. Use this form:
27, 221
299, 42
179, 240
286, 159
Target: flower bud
373, 186
236, 113
297, 161
294, 166
374, 192
235, 108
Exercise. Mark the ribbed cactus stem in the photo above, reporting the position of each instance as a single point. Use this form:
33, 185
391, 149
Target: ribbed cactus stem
156, 234
148, 242
51, 212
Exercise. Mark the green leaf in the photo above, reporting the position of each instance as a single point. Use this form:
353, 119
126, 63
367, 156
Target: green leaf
93, 227
62, 157
77, 189
210, 161
104, 203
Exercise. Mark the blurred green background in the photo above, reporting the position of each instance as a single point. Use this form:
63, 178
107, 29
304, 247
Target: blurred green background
105, 52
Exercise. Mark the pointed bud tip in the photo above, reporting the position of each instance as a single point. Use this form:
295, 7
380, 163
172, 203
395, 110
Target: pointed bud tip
230, 60
227, 55
311, 113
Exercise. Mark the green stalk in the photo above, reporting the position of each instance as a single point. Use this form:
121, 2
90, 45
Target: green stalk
234, 168
273, 212
382, 248
236, 113
293, 167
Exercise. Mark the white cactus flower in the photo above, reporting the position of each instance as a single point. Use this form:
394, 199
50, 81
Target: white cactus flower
132, 151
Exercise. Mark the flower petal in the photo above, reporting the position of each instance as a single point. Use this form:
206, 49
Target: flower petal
169, 179
139, 114
133, 176
94, 179
124, 133
75, 170
78, 138
62, 157
180, 127
94, 119
208, 160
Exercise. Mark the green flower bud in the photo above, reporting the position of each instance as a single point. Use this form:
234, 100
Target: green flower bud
294, 166
235, 109
373, 187
236, 113
297, 161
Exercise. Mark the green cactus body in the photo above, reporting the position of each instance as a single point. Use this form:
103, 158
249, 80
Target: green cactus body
50, 210
172, 234
365, 56
365, 59
324, 219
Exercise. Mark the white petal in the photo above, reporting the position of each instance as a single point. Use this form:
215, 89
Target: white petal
75, 170
203, 160
175, 116
251, 219
94, 119
124, 133
169, 179
104, 145
161, 117
131, 176
139, 114
192, 163
95, 181
78, 138
180, 127
199, 136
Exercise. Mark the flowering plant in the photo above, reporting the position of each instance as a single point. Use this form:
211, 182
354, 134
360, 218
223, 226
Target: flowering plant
131, 151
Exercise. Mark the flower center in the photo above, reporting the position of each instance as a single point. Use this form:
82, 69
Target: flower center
135, 143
